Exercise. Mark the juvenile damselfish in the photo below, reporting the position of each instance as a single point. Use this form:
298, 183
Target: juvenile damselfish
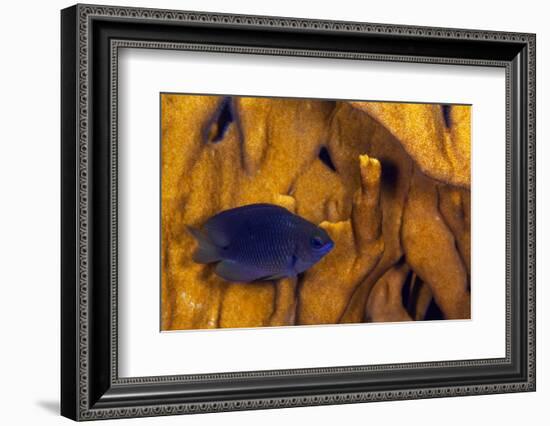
260, 242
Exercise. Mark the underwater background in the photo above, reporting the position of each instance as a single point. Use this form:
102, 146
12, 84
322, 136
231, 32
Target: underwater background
389, 182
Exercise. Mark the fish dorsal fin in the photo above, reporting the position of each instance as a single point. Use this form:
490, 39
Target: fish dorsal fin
258, 206
247, 209
217, 227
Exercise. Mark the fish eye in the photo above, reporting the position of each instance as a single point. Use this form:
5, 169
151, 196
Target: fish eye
316, 242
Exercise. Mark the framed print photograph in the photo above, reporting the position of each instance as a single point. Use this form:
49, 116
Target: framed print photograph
263, 212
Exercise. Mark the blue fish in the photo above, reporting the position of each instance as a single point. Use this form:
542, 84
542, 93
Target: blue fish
260, 242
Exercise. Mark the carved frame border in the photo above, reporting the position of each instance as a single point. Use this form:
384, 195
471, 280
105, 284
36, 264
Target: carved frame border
85, 13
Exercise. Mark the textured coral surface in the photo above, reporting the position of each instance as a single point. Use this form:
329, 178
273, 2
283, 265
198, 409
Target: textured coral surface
389, 182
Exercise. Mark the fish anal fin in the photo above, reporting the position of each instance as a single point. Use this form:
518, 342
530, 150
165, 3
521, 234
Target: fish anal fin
273, 277
232, 271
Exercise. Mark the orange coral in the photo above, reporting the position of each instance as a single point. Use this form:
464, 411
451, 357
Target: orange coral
368, 192
437, 137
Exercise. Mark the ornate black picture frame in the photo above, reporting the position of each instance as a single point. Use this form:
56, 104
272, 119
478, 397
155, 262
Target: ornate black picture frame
91, 36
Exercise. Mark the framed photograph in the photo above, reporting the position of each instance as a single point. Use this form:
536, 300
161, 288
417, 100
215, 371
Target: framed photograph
263, 212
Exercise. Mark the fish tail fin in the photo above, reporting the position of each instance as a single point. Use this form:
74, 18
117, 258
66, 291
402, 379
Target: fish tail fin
206, 252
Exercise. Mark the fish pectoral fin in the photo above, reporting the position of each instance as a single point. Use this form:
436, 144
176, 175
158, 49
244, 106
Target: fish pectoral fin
294, 265
233, 271
300, 266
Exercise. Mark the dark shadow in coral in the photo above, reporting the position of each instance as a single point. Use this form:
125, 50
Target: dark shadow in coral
325, 157
223, 119
390, 175
433, 312
446, 111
